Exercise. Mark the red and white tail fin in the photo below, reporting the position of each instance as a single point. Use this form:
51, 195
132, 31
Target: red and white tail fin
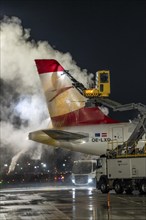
66, 105
62, 97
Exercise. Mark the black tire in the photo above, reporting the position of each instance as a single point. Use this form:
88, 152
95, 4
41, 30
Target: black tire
104, 186
129, 190
118, 187
142, 187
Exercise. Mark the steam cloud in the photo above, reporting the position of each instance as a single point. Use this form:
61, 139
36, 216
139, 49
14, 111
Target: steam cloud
23, 107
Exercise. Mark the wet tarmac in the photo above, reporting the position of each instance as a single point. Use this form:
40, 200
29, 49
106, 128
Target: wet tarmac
67, 203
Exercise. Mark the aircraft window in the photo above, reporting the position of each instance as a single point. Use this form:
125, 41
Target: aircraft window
104, 77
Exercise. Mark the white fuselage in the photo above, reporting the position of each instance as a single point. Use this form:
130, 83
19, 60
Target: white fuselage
100, 137
88, 139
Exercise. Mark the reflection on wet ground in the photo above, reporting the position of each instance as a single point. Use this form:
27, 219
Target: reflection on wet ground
64, 203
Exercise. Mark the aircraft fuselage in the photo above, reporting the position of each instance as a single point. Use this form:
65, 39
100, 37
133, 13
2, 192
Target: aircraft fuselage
98, 138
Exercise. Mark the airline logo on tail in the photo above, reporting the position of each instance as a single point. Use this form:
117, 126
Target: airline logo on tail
66, 105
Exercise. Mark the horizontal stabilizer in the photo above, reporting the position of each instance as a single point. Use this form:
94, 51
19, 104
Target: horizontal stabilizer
63, 135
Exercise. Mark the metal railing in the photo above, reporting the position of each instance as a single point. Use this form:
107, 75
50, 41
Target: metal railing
114, 146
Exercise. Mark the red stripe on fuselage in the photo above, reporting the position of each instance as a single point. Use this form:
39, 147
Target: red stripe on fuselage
83, 116
47, 66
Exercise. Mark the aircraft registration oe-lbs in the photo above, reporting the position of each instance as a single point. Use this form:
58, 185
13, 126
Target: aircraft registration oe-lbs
78, 122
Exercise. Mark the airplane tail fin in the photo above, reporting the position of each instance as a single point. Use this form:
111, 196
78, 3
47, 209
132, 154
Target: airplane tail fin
65, 103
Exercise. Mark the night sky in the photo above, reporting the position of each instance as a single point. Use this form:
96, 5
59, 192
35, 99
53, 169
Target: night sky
98, 35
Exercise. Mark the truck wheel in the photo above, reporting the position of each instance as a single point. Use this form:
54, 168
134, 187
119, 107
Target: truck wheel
142, 187
104, 187
129, 190
118, 187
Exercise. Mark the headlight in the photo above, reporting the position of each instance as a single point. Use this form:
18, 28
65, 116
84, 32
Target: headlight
89, 180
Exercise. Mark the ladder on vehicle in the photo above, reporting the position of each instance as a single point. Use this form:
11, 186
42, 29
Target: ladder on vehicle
139, 130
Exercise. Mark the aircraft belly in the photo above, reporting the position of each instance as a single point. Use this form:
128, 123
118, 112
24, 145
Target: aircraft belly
86, 148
